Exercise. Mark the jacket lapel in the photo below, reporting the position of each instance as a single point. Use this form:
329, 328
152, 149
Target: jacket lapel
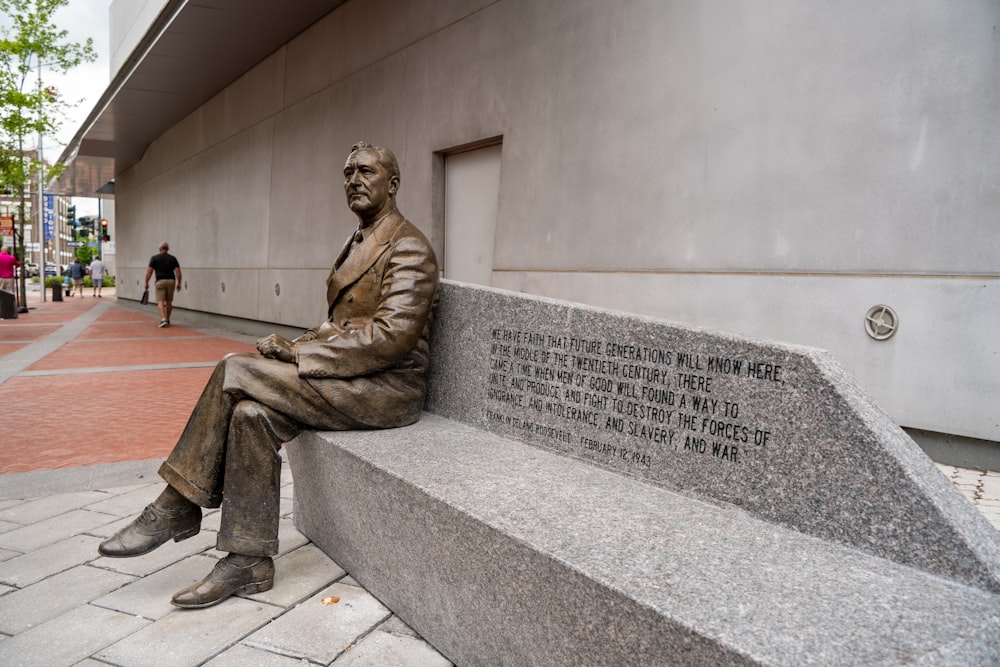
348, 270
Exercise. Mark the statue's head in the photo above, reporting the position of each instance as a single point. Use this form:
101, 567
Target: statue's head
371, 180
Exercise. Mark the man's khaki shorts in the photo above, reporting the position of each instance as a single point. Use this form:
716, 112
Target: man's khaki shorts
165, 290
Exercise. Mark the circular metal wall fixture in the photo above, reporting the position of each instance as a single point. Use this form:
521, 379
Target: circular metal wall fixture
277, 289
881, 322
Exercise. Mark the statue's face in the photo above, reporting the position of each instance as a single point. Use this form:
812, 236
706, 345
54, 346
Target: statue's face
367, 183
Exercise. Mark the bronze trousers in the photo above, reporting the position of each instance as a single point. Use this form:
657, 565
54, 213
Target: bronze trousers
228, 454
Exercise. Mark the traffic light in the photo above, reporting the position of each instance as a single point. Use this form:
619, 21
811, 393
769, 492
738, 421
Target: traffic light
71, 220
104, 229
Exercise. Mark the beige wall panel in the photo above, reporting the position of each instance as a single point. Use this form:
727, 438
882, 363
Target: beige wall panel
233, 292
359, 34
300, 297
252, 99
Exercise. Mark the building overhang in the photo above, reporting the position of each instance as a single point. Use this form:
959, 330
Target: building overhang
191, 51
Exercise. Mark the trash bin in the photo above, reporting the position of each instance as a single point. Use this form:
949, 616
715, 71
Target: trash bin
8, 305
57, 291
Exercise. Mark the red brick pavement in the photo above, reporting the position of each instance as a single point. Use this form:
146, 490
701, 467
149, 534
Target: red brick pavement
56, 420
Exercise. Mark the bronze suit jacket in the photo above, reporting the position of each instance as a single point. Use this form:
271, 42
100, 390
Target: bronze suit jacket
370, 358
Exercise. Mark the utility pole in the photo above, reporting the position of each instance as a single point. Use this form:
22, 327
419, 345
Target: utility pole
41, 203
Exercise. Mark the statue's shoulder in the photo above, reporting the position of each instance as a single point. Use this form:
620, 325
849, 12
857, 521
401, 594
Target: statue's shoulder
401, 228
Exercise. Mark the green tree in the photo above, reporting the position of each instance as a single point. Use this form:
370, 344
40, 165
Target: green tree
28, 108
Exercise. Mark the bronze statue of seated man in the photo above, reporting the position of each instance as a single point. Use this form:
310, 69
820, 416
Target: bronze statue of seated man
365, 367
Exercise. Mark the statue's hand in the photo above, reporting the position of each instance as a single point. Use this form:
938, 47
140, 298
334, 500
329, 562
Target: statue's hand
277, 347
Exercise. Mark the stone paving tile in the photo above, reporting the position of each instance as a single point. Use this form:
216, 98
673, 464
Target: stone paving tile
69, 638
51, 597
43, 508
52, 530
383, 648
7, 554
210, 519
127, 504
7, 525
122, 490
320, 632
242, 656
205, 632
32, 567
991, 485
299, 574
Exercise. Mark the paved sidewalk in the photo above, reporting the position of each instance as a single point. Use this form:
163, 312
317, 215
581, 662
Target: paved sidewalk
93, 396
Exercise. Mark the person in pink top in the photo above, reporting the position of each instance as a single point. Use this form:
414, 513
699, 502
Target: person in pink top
7, 264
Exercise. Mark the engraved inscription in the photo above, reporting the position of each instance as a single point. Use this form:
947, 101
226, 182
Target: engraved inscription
628, 404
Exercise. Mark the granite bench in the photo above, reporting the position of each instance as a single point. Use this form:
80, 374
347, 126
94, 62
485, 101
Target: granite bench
589, 487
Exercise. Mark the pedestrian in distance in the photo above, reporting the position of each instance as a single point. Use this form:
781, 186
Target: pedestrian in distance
168, 281
76, 274
97, 270
7, 265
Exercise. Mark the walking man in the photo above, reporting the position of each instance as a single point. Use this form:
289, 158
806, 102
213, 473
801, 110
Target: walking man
76, 274
364, 367
168, 280
97, 270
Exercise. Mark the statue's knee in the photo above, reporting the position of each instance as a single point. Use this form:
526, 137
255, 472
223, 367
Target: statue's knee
248, 410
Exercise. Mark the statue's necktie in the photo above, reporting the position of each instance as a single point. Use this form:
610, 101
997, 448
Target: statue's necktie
358, 238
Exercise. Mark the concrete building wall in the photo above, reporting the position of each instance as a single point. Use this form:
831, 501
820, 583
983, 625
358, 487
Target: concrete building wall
128, 20
772, 169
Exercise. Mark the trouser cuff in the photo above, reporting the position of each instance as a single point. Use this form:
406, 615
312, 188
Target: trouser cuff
187, 488
247, 547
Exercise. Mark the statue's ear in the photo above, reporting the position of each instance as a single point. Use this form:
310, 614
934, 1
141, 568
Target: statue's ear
394, 185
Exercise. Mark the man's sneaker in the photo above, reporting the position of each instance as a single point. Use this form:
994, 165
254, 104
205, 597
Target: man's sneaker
163, 323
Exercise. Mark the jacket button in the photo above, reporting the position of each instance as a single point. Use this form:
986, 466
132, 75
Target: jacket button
350, 297
346, 322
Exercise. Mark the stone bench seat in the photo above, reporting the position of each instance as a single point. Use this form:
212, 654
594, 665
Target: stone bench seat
503, 540
550, 561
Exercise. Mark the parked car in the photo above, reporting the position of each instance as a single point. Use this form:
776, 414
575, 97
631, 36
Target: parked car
50, 269
31, 268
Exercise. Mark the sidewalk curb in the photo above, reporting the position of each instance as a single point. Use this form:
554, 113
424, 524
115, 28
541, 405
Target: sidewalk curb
26, 485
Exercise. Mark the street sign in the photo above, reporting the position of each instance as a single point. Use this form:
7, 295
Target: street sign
93, 244
75, 244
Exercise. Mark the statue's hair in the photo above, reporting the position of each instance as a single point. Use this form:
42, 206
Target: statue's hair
385, 156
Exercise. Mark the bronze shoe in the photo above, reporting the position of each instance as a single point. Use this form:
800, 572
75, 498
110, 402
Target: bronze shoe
151, 529
226, 579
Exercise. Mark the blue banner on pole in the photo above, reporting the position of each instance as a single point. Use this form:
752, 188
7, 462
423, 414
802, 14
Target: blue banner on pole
50, 216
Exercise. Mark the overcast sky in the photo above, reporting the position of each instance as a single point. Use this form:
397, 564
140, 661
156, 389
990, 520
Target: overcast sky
84, 84
83, 19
